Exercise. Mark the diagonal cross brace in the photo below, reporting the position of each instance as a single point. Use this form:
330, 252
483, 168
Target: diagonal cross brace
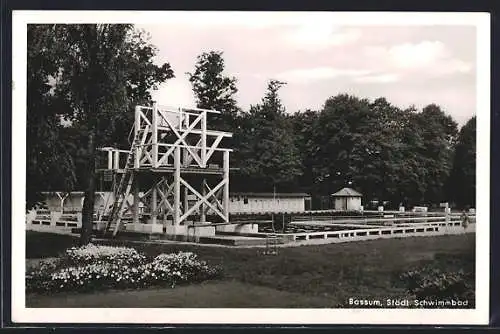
164, 197
142, 144
213, 147
147, 193
181, 138
219, 205
144, 118
203, 199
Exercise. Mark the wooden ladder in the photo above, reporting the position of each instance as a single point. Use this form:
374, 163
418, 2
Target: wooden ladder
272, 242
123, 190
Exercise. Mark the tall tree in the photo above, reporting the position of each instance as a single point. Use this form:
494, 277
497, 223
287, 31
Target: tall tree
267, 153
387, 153
49, 164
462, 182
215, 90
394, 159
411, 168
368, 146
304, 124
438, 132
343, 135
103, 70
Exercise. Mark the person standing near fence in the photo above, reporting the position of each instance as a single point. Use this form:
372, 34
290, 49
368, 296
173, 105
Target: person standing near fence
465, 219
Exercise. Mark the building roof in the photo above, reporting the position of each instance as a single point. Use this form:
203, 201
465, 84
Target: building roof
270, 195
70, 193
347, 192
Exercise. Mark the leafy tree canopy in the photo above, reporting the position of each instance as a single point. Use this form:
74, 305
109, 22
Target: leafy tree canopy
99, 73
215, 90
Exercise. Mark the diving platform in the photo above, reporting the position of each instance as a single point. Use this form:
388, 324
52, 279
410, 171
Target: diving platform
175, 168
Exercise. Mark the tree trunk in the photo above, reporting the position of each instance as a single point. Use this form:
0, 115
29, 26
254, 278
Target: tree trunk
88, 202
92, 121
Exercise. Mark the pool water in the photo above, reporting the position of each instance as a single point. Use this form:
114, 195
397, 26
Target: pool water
302, 229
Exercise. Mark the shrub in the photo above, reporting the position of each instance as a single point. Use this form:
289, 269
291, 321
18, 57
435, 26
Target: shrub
45, 265
178, 268
103, 267
91, 254
92, 277
39, 275
431, 283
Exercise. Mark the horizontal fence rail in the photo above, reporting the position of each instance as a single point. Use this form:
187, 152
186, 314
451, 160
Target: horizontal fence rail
416, 229
330, 221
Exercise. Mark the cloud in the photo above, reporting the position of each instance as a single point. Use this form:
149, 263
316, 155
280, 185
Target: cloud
320, 35
378, 78
455, 66
319, 73
407, 65
424, 58
418, 55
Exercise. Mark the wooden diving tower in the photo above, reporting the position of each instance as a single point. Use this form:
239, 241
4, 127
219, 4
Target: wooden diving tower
174, 169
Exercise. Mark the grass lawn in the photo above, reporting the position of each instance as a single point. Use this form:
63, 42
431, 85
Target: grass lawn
227, 294
305, 276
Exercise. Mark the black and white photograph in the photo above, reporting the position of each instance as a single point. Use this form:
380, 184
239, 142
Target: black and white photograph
286, 167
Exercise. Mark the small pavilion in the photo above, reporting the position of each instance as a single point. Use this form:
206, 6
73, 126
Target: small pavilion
347, 199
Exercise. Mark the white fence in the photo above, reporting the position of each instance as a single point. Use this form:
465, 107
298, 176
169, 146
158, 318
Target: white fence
443, 226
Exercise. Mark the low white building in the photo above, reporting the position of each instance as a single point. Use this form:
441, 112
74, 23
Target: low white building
347, 199
268, 202
73, 201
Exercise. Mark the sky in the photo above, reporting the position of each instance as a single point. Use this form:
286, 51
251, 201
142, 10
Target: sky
407, 64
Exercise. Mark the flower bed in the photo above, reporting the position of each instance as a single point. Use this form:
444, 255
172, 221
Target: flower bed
95, 267
91, 254
180, 267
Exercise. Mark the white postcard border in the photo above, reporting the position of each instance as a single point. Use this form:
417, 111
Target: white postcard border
21, 314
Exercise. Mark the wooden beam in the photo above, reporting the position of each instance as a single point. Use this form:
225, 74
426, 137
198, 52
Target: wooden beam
122, 204
189, 158
214, 146
203, 199
146, 156
215, 196
142, 116
225, 195
142, 145
181, 137
154, 136
154, 203
116, 160
177, 186
164, 200
210, 133
203, 209
185, 205
135, 210
110, 159
204, 139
